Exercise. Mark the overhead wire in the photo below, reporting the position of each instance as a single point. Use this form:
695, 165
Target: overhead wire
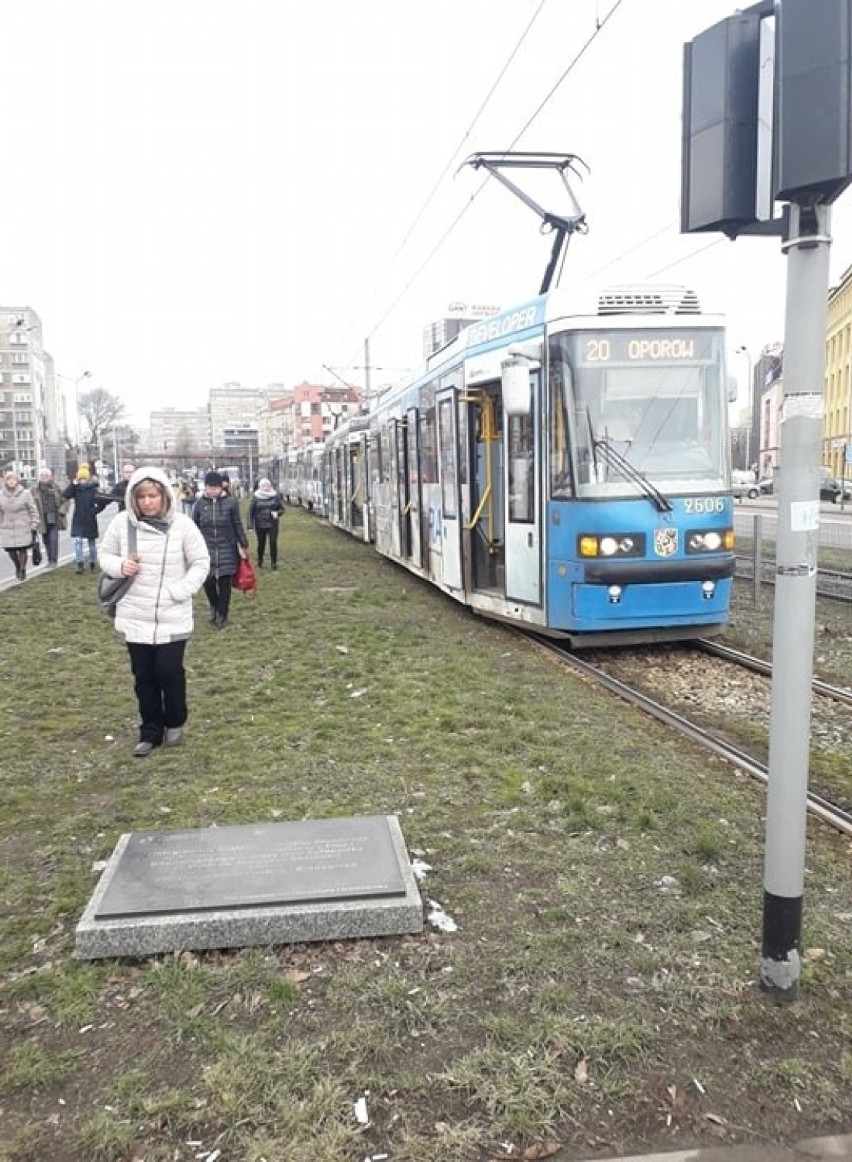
687, 257
448, 166
468, 131
600, 24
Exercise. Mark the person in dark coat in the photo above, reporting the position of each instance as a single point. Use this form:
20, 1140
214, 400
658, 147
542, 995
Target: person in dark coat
52, 508
265, 508
218, 517
83, 490
117, 493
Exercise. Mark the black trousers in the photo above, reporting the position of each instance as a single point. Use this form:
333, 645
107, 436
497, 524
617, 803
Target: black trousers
218, 590
272, 534
51, 543
160, 683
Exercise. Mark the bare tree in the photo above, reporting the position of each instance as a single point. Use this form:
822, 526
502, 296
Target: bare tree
100, 411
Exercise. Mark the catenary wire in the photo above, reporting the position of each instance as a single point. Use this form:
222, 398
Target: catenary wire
599, 26
447, 167
687, 257
468, 132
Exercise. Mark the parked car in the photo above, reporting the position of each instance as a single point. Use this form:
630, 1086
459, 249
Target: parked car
830, 488
833, 488
743, 484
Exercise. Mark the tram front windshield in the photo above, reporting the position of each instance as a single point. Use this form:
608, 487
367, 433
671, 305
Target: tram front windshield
651, 402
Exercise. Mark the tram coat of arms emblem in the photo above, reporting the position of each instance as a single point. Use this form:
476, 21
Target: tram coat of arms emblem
665, 542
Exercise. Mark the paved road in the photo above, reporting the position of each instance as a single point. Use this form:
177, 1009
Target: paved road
835, 522
66, 552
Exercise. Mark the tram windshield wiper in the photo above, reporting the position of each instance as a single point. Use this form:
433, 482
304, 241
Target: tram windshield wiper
614, 459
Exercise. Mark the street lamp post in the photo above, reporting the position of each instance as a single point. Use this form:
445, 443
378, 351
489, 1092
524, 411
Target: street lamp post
77, 382
749, 389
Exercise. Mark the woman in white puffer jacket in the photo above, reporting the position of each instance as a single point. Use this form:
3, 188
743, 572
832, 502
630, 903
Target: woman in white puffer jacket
168, 566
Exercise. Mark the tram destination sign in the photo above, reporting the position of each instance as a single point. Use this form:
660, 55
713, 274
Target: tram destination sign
648, 347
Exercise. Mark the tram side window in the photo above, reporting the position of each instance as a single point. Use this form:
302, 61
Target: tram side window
521, 470
449, 484
428, 448
384, 456
561, 482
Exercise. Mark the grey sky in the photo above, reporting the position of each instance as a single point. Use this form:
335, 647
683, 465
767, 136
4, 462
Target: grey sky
199, 191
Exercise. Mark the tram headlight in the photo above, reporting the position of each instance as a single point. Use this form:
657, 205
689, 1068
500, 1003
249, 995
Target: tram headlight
611, 545
709, 540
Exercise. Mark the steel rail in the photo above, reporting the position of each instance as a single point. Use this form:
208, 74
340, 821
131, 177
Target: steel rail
818, 806
759, 666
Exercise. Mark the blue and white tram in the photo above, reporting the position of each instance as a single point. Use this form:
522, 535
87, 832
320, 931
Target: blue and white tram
564, 464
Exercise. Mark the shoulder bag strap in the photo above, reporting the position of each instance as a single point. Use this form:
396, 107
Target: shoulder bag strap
131, 537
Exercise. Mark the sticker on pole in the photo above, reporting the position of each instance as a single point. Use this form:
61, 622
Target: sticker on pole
804, 516
808, 404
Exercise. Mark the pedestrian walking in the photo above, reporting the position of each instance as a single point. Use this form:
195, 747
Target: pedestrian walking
168, 566
116, 494
83, 490
186, 495
18, 522
52, 508
218, 517
264, 514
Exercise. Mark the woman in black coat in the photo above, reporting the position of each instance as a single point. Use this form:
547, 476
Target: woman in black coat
83, 490
218, 517
265, 508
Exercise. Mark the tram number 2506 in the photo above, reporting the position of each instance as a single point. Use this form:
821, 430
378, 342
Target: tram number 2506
699, 504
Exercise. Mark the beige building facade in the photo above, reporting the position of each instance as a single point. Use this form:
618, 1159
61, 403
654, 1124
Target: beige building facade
837, 421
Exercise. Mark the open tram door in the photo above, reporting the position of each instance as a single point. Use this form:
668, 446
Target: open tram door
400, 532
484, 543
521, 379
356, 484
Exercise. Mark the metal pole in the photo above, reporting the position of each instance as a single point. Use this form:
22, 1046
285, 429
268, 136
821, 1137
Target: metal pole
758, 560
795, 597
749, 394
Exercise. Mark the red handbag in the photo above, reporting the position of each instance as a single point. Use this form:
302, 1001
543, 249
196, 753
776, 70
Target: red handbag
245, 578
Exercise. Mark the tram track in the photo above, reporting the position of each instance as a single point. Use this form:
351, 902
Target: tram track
759, 666
818, 805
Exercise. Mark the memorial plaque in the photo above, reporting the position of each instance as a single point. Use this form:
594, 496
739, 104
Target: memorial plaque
249, 866
253, 884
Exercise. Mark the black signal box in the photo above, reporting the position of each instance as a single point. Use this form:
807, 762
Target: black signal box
767, 115
720, 127
813, 88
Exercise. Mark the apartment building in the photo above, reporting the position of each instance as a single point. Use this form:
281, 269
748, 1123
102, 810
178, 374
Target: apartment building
29, 413
180, 433
837, 421
317, 410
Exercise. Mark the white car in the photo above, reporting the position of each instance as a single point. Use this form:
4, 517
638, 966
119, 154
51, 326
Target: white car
744, 484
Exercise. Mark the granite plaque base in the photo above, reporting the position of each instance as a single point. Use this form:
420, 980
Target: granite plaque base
254, 884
